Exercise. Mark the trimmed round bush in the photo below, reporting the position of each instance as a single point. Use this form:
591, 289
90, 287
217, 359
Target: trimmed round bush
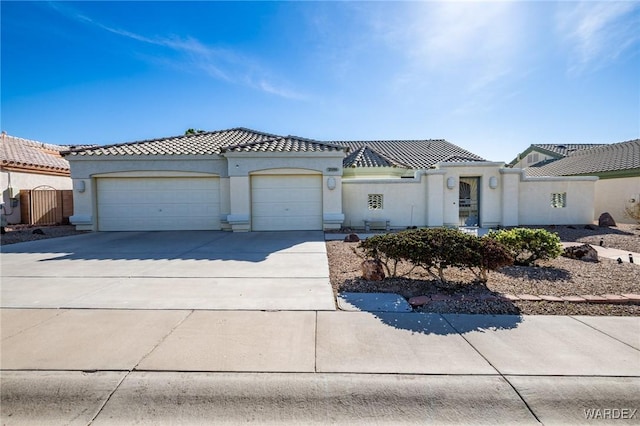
527, 246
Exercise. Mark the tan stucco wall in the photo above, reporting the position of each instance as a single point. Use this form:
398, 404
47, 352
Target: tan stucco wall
404, 201
515, 200
612, 195
490, 198
535, 201
21, 180
85, 167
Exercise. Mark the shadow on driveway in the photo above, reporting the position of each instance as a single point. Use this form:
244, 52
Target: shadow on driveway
169, 245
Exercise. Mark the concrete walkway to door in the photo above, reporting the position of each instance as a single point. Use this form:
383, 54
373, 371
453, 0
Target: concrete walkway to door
170, 270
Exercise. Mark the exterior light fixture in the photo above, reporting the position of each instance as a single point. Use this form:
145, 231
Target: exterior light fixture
331, 183
79, 186
451, 183
493, 182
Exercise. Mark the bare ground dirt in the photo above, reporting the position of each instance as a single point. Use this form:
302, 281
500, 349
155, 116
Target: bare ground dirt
22, 233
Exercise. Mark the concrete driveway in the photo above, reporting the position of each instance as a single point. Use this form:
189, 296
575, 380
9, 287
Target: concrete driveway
169, 270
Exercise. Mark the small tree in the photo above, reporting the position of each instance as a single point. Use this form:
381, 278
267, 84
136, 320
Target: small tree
193, 131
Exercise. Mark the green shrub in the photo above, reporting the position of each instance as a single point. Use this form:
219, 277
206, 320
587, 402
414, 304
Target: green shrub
527, 246
389, 249
492, 256
436, 250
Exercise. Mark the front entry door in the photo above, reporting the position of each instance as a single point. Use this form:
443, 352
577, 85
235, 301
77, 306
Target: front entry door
469, 201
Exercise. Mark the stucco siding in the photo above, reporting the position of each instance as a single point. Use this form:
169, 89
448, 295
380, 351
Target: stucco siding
21, 180
535, 207
84, 168
612, 195
490, 198
404, 202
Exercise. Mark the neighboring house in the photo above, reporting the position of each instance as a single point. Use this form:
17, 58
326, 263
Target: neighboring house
618, 168
242, 180
540, 153
29, 165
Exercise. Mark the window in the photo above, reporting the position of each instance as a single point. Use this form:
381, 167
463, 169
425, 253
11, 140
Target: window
559, 200
533, 158
375, 202
465, 194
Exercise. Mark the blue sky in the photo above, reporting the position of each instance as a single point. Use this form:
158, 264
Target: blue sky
492, 77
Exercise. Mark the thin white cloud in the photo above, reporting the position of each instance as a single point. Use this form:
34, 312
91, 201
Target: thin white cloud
221, 64
465, 56
597, 33
475, 41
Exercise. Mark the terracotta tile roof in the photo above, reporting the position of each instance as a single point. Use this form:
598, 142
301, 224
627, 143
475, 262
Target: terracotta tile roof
19, 153
206, 143
284, 144
415, 154
600, 159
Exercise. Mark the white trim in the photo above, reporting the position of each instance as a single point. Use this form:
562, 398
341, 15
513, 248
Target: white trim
154, 173
284, 171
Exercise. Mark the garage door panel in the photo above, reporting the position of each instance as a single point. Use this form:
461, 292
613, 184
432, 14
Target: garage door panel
284, 208
286, 202
284, 195
286, 182
148, 204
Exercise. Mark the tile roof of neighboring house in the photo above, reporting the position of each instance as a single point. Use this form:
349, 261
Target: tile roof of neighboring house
25, 154
600, 159
284, 144
415, 154
557, 150
565, 149
206, 143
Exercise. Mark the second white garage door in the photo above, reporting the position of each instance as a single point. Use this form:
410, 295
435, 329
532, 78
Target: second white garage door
286, 202
158, 204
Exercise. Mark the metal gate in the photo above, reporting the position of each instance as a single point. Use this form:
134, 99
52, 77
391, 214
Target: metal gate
44, 205
469, 201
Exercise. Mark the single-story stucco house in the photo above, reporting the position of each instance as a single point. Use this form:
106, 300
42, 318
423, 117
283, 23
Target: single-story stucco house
27, 165
616, 165
243, 180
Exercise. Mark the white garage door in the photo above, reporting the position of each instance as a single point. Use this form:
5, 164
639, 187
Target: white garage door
286, 202
158, 204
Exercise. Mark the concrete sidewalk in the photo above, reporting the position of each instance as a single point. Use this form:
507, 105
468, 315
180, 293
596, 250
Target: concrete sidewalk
197, 366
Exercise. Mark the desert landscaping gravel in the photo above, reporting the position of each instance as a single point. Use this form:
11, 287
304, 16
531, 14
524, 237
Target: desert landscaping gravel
558, 277
23, 233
